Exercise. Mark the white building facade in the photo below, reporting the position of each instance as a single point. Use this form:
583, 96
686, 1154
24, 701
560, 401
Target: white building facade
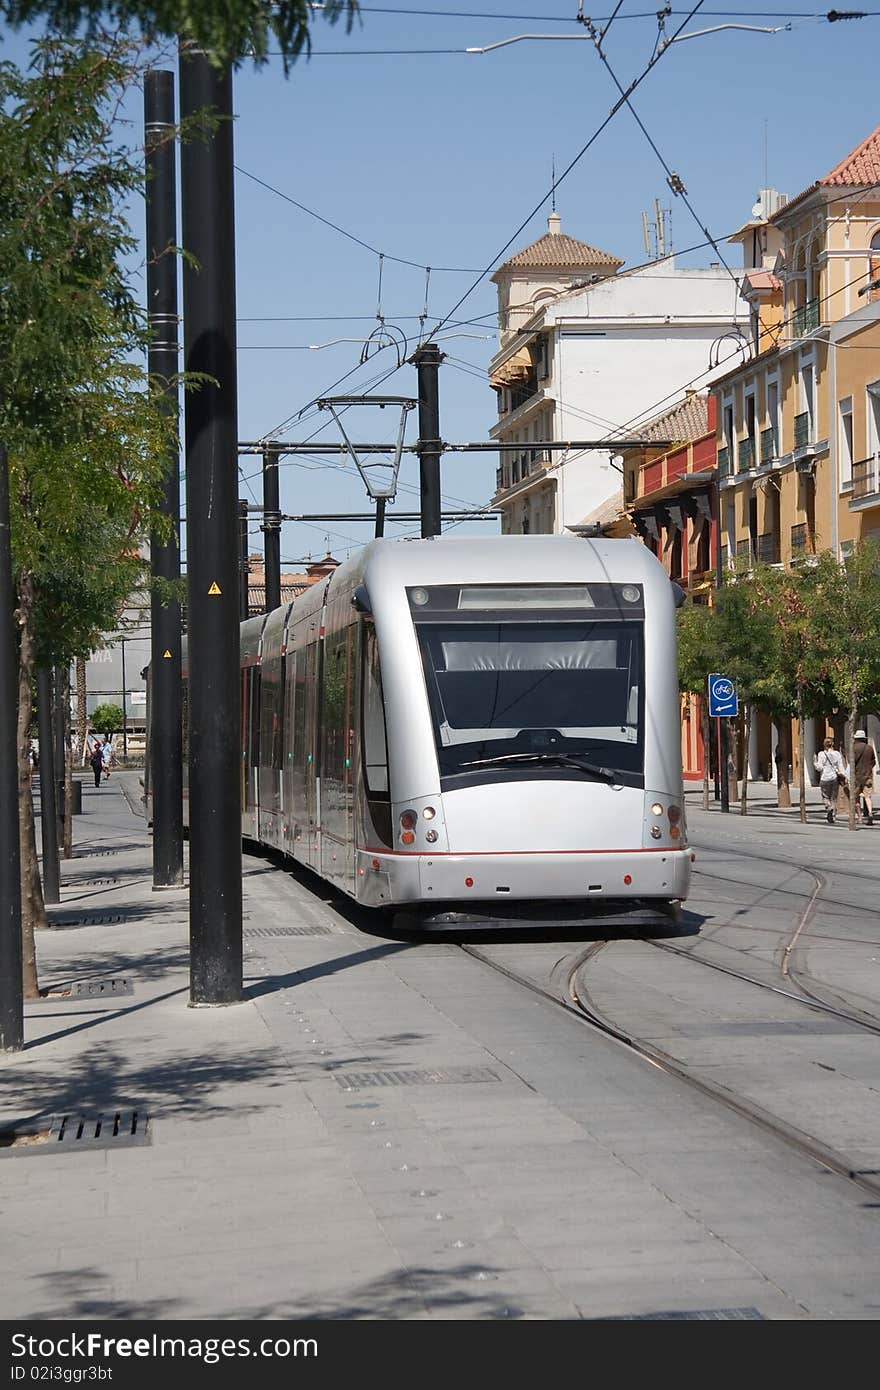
586, 351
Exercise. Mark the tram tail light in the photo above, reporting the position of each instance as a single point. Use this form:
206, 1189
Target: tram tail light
408, 822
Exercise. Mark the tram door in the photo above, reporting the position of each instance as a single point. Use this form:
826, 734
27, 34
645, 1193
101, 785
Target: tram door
338, 754
304, 808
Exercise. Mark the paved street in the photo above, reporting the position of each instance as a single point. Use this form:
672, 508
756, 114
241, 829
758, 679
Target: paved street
389, 1128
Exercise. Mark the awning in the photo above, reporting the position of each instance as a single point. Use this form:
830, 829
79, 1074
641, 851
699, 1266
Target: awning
518, 367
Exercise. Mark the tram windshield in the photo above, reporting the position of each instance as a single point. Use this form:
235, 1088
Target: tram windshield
517, 697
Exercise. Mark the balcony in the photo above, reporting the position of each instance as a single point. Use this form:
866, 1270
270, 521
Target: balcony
805, 319
723, 464
745, 456
803, 430
866, 479
769, 444
767, 549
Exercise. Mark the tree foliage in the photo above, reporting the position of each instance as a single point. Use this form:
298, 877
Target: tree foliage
107, 719
231, 33
86, 439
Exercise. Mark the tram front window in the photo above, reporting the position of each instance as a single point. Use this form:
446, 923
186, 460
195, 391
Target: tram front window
515, 698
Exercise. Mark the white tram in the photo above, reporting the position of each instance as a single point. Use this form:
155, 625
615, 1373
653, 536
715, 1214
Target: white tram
474, 730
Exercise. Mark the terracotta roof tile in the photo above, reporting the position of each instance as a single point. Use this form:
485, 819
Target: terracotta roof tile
555, 251
861, 166
683, 422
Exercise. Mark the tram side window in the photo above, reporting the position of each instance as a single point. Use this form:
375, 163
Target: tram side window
254, 721
375, 742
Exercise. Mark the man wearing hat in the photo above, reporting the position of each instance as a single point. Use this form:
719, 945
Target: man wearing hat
863, 775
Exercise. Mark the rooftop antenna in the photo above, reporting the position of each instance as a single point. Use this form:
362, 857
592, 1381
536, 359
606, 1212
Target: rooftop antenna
553, 180
646, 236
661, 238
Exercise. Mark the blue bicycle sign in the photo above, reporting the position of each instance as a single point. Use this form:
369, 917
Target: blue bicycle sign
723, 699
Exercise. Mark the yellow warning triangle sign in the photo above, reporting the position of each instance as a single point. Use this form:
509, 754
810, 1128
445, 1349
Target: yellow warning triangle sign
215, 588
166, 655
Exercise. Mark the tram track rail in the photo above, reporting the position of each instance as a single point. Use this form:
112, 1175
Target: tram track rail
571, 993
791, 953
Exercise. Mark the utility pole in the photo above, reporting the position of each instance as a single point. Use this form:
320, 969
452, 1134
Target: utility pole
11, 993
212, 539
243, 572
166, 733
272, 527
48, 821
723, 749
427, 360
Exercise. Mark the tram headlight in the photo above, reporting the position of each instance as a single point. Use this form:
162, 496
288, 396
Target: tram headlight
428, 812
419, 597
656, 832
656, 809
630, 593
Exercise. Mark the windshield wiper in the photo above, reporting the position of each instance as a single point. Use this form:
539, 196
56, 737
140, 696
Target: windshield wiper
605, 774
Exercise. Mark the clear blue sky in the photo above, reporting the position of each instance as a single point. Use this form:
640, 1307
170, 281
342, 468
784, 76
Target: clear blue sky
438, 157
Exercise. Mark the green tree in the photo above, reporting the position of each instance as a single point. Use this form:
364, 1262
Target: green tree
845, 618
697, 658
232, 32
748, 639
85, 439
107, 719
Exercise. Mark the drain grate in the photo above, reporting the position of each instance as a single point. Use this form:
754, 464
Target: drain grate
358, 1080
287, 931
112, 1129
96, 989
88, 919
694, 1315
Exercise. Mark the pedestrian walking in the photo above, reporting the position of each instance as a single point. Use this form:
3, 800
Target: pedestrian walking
832, 770
107, 754
864, 761
96, 761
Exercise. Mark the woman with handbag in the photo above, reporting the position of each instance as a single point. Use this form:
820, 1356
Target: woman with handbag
833, 774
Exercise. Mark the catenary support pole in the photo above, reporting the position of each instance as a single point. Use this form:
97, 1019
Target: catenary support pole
58, 726
48, 819
11, 995
166, 735
427, 360
212, 539
272, 527
243, 571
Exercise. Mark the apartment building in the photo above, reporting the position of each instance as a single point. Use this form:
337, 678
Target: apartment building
586, 352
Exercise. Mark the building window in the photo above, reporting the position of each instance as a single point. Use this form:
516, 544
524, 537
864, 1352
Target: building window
873, 411
846, 441
874, 266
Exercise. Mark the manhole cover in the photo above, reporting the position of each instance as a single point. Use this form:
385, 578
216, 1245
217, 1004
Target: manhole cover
287, 931
111, 1129
357, 1080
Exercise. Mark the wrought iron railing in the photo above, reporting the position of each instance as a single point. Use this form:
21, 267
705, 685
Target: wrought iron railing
745, 455
744, 550
865, 477
769, 444
800, 540
805, 319
803, 429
